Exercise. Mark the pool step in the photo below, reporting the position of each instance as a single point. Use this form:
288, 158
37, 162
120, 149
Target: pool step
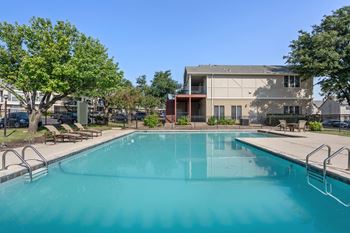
36, 174
315, 174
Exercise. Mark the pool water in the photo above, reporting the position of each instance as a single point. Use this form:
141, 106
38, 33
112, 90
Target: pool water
172, 182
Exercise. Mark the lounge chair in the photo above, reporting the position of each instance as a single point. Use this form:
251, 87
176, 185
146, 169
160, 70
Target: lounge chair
85, 135
55, 134
282, 125
94, 131
301, 125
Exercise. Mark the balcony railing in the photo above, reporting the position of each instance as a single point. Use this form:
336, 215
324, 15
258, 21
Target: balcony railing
195, 90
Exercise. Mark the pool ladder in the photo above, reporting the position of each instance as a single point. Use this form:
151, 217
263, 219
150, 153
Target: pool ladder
320, 175
32, 174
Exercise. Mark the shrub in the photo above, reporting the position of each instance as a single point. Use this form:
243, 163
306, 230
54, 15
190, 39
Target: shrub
151, 121
226, 122
315, 126
212, 121
182, 121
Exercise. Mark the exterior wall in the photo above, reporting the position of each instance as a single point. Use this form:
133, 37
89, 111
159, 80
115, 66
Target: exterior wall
258, 95
251, 87
332, 110
257, 109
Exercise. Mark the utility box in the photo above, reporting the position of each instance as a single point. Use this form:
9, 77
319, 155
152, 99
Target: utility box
82, 112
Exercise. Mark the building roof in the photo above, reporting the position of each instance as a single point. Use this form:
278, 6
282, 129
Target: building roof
318, 103
239, 69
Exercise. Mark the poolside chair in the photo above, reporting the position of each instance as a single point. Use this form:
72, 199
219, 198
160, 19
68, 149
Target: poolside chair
94, 131
301, 125
85, 135
282, 125
56, 134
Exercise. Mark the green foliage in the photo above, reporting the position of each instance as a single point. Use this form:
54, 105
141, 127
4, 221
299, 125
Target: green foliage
315, 125
212, 121
126, 98
149, 102
49, 61
163, 84
226, 122
324, 53
182, 120
141, 84
151, 120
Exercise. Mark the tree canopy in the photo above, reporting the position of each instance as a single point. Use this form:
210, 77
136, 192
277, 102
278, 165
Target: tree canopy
48, 62
325, 53
163, 84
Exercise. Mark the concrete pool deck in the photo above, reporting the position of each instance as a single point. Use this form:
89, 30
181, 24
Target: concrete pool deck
54, 152
296, 145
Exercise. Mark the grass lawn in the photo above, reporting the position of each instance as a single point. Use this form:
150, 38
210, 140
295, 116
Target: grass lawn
342, 132
17, 135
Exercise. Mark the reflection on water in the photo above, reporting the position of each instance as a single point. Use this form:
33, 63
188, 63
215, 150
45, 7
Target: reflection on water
179, 156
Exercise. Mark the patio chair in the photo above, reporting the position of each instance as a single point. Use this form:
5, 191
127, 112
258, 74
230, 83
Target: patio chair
301, 125
282, 125
85, 135
94, 131
55, 134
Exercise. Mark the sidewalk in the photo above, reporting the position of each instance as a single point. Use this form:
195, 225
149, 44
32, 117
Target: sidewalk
296, 148
53, 152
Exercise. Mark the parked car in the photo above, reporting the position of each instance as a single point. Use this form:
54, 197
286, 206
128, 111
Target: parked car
17, 120
340, 124
67, 118
347, 123
140, 116
119, 117
329, 123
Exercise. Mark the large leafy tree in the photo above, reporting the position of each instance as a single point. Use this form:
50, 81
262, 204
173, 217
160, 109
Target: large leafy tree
163, 84
325, 53
48, 62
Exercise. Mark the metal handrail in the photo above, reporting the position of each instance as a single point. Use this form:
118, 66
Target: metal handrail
37, 152
316, 150
326, 161
24, 163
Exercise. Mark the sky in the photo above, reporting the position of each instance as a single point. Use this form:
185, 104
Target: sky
145, 36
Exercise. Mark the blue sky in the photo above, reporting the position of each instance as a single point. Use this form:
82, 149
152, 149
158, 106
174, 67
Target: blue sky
145, 36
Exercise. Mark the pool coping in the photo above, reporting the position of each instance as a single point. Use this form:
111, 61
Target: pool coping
330, 173
23, 171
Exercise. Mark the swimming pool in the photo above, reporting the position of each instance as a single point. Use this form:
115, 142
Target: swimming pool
172, 182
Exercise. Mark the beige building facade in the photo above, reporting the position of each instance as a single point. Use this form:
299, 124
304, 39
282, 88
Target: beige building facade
238, 92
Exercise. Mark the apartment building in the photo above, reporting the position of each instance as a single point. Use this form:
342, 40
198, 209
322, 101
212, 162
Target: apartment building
332, 109
240, 91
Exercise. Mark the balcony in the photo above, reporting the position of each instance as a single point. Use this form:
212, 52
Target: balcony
195, 90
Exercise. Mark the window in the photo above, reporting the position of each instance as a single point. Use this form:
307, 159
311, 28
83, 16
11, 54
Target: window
219, 111
292, 110
236, 112
286, 81
297, 81
291, 81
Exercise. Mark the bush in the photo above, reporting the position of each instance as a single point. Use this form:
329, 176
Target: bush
315, 126
212, 121
182, 121
226, 122
151, 121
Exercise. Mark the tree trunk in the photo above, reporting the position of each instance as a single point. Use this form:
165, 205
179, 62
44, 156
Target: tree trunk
34, 119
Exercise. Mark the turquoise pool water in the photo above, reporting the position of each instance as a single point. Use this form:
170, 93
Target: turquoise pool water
172, 182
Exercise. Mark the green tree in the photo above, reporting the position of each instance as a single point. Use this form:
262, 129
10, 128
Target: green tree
126, 98
141, 84
325, 53
163, 84
48, 62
